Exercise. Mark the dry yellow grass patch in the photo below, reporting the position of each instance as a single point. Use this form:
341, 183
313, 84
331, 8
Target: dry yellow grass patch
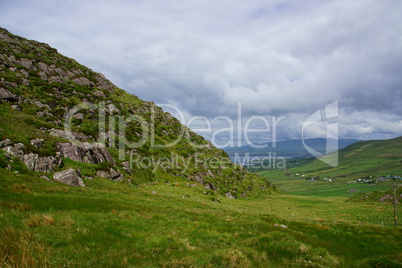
38, 220
19, 249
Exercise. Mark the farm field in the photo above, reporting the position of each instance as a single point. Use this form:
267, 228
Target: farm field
303, 187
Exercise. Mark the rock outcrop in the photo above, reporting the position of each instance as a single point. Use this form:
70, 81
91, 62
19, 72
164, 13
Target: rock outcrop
31, 160
6, 95
60, 133
210, 186
89, 152
70, 177
40, 164
229, 195
110, 174
38, 143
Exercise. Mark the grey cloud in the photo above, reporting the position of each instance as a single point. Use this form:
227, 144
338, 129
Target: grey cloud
277, 57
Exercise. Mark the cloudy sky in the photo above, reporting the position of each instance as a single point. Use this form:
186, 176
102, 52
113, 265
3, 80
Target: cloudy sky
256, 63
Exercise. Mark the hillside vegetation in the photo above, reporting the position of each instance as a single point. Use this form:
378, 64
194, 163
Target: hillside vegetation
58, 115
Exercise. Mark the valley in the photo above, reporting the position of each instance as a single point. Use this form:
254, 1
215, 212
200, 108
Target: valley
364, 166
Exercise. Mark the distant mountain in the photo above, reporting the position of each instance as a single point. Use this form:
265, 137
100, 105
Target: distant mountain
290, 148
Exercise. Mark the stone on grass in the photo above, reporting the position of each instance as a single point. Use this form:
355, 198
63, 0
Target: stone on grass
69, 176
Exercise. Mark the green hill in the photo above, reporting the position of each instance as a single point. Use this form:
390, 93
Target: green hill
362, 159
363, 167
57, 115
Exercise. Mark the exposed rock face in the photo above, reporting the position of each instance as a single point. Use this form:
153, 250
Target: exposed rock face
229, 195
40, 164
49, 73
103, 174
32, 161
83, 81
43, 67
90, 152
7, 95
39, 104
79, 116
109, 174
103, 83
26, 63
70, 177
114, 175
15, 150
210, 186
199, 179
17, 107
126, 167
67, 135
6, 142
111, 109
38, 143
45, 178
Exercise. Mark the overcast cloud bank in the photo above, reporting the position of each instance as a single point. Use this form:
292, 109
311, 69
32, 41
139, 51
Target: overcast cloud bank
278, 58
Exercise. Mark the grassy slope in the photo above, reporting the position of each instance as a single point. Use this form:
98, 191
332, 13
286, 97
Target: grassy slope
110, 224
360, 160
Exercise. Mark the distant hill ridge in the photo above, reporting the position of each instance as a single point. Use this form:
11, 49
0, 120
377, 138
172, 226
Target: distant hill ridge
290, 148
63, 121
361, 159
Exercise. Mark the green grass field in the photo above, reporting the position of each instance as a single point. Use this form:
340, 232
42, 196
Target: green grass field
300, 186
112, 224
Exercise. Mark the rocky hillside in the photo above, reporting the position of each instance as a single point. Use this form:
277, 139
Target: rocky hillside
62, 121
